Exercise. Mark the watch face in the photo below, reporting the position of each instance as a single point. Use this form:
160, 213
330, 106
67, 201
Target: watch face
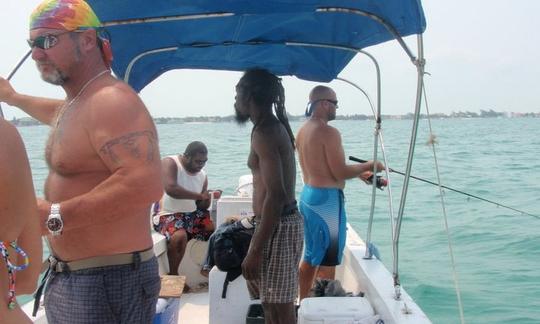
54, 224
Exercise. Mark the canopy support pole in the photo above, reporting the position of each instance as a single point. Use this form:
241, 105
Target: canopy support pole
420, 63
368, 254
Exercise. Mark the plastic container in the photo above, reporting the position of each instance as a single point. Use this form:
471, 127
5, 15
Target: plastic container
245, 186
334, 310
233, 206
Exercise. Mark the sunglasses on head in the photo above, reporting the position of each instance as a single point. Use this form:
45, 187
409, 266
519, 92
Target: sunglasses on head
45, 41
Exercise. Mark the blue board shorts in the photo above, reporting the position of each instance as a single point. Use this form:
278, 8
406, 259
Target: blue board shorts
325, 225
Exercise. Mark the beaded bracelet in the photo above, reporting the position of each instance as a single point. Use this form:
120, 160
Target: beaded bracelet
11, 268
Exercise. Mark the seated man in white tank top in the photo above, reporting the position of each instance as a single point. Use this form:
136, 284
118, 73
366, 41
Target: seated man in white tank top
182, 213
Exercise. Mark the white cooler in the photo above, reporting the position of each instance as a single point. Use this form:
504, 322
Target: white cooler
336, 310
233, 206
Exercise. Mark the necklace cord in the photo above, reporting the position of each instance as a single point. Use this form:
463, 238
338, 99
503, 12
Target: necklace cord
64, 107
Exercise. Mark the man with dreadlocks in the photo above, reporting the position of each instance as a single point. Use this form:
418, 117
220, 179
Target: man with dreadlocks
271, 264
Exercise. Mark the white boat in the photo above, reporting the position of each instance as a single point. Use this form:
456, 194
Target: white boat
205, 305
313, 40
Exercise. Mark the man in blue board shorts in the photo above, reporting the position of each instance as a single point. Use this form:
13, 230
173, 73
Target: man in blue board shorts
322, 160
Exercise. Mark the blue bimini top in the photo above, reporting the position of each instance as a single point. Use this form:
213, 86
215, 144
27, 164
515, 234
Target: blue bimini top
287, 37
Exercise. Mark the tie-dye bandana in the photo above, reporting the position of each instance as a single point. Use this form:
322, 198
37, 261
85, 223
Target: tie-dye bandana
64, 14
70, 15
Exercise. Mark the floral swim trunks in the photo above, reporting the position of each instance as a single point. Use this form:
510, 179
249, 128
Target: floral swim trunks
197, 224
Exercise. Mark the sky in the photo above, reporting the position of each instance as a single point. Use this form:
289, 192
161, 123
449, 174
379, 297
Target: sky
480, 54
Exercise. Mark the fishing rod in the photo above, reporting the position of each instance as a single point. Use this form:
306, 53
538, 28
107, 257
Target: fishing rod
13, 73
352, 158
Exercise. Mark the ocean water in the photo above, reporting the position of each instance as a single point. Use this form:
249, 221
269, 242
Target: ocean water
497, 251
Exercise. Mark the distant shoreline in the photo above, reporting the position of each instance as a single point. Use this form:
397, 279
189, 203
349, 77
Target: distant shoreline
29, 121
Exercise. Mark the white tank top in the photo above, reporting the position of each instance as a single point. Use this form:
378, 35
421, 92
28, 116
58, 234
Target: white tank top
191, 182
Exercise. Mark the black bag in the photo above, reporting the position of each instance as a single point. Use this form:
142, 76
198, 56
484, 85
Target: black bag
230, 247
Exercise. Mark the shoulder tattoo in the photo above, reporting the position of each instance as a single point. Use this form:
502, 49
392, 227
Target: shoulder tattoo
138, 145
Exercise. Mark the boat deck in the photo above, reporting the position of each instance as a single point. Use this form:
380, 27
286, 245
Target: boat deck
194, 308
355, 273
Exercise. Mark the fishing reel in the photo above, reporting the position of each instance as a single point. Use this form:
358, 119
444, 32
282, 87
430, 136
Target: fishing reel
380, 181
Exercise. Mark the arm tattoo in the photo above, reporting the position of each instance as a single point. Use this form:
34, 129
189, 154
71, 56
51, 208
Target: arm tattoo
134, 143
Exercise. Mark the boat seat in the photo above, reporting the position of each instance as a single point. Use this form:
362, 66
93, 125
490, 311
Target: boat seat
192, 263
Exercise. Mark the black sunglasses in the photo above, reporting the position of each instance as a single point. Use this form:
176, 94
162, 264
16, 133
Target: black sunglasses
45, 41
334, 102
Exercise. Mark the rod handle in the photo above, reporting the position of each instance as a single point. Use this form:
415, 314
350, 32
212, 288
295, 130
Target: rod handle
355, 159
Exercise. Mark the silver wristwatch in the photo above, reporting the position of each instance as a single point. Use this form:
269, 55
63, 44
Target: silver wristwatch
54, 222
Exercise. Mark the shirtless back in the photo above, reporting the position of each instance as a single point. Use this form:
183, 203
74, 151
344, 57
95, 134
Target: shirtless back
18, 216
320, 150
320, 154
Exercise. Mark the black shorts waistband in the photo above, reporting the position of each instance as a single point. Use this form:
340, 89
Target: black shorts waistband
290, 208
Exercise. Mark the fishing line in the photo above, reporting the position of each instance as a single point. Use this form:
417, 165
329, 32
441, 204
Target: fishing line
352, 158
432, 142
13, 73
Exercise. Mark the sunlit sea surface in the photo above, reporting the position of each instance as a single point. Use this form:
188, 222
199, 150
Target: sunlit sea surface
497, 251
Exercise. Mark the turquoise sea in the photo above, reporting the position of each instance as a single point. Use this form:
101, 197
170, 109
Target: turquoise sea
497, 251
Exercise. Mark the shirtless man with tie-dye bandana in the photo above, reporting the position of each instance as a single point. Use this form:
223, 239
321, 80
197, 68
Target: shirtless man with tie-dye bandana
104, 173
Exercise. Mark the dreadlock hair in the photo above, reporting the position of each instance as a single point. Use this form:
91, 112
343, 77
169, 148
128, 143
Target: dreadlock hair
266, 90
